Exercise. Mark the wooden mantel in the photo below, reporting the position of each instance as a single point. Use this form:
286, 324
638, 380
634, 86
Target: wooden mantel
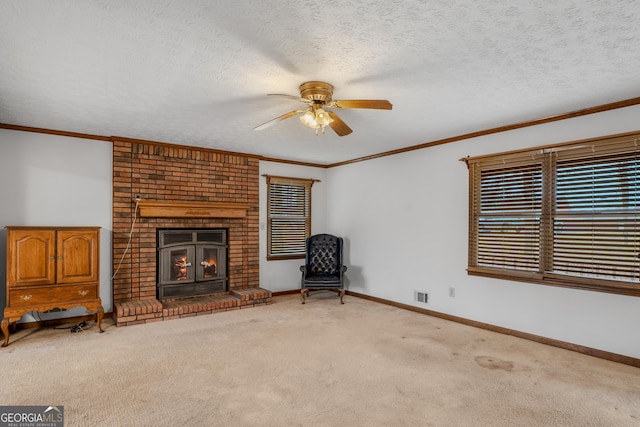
181, 209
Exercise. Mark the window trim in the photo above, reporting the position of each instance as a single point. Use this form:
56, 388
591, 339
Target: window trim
547, 155
306, 183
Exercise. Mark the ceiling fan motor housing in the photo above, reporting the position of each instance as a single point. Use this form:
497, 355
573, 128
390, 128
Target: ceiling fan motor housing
320, 92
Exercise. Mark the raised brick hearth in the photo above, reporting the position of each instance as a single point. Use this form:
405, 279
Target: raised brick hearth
160, 172
152, 310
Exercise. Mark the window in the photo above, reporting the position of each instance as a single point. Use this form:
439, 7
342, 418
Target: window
288, 216
565, 215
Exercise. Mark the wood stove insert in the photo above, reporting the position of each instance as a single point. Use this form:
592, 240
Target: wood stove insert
191, 262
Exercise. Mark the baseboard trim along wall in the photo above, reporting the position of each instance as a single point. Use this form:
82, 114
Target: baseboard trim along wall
601, 354
280, 293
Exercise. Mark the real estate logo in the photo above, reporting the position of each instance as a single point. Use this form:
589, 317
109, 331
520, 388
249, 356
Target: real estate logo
31, 416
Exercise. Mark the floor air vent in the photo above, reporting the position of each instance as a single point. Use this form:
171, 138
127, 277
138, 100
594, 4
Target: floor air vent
421, 296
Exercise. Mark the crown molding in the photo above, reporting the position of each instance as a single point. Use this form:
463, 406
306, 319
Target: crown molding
586, 111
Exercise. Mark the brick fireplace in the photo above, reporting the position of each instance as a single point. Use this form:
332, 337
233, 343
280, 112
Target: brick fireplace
181, 187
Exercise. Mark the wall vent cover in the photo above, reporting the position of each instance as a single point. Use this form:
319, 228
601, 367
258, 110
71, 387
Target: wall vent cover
421, 296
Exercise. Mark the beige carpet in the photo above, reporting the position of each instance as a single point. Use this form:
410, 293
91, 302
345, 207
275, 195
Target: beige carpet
319, 364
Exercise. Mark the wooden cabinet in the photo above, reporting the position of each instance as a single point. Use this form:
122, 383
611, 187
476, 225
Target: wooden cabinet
51, 268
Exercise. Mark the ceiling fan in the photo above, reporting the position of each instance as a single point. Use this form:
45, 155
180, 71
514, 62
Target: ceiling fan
317, 96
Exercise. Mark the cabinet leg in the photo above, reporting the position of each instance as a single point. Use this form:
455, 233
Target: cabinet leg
99, 315
5, 331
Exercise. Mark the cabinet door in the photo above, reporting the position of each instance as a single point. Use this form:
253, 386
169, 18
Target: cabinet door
77, 256
31, 257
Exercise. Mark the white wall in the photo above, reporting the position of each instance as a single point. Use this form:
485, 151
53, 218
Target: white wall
404, 220
284, 275
48, 180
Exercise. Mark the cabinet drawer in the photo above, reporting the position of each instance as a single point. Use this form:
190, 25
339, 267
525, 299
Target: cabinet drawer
55, 294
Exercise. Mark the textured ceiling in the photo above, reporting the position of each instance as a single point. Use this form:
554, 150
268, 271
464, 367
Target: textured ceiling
197, 72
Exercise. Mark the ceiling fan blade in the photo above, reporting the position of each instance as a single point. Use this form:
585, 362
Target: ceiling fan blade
278, 119
375, 104
338, 125
297, 98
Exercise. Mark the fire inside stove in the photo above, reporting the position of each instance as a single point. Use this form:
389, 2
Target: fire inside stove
191, 262
210, 268
180, 267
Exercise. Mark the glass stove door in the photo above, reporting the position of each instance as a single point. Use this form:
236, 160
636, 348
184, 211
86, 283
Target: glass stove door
177, 265
208, 261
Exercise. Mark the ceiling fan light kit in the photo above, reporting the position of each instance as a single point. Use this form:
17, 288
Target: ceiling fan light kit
316, 118
318, 96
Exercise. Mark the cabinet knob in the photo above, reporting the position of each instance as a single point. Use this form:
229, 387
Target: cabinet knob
83, 292
25, 297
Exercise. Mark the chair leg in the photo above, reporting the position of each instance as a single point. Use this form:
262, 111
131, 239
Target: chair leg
341, 296
302, 292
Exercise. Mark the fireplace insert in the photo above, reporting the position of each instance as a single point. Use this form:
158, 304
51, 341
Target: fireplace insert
191, 262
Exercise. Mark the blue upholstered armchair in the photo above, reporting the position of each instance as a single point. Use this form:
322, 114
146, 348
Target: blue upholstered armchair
323, 267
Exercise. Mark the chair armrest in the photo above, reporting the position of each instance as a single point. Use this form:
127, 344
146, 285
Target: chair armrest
344, 268
303, 268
